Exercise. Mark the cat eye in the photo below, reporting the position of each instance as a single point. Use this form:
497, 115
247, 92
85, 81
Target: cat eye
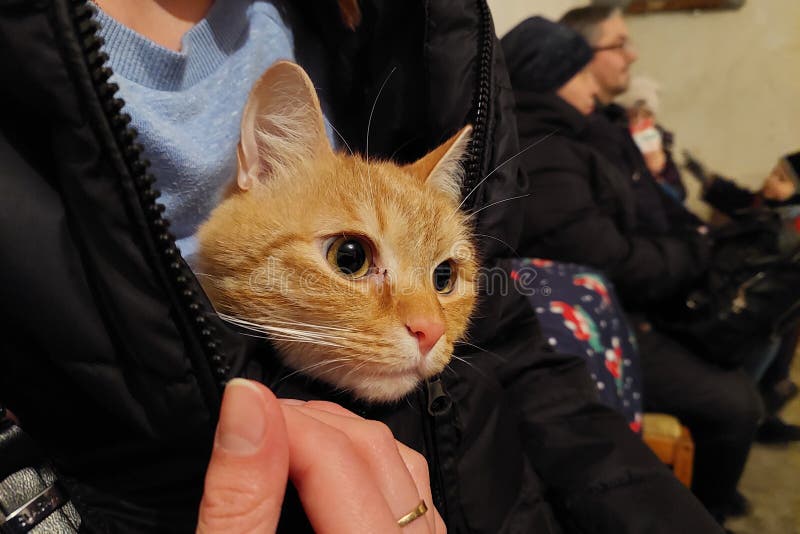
350, 256
444, 277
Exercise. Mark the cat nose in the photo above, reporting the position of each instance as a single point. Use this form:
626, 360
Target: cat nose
426, 330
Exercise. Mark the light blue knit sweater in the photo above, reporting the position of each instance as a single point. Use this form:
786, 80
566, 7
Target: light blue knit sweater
187, 105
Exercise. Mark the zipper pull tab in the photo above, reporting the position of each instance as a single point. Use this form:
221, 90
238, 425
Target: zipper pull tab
439, 402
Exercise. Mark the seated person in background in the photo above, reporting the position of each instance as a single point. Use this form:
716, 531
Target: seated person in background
583, 209
608, 131
641, 102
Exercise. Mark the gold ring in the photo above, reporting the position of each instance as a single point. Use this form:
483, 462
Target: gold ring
416, 513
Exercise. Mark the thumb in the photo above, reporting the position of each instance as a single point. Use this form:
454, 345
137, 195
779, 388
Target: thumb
247, 474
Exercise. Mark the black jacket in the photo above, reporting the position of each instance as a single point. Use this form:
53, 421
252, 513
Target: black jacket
657, 211
113, 361
733, 200
583, 209
726, 196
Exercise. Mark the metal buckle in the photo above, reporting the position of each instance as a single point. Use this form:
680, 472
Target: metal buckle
33, 512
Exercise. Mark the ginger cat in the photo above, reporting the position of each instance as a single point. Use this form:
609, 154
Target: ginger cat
361, 272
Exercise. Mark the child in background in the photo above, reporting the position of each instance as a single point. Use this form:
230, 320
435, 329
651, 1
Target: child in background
642, 102
780, 191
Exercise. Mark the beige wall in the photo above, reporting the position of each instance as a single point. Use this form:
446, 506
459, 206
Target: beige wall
507, 13
731, 79
731, 82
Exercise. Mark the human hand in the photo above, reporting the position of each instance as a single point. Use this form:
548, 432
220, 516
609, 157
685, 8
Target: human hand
351, 474
249, 466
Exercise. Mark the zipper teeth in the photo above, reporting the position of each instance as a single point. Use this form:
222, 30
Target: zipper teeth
473, 170
431, 442
178, 272
481, 106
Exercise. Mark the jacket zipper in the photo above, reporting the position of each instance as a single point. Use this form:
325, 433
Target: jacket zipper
179, 275
480, 124
436, 403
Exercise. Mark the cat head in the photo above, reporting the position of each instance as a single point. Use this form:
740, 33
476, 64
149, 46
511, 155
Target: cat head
361, 272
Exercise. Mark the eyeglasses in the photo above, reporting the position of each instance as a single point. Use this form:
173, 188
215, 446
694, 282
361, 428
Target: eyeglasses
625, 46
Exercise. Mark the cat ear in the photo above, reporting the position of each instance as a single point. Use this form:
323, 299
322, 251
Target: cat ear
282, 125
442, 168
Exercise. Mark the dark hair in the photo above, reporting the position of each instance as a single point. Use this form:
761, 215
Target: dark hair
585, 20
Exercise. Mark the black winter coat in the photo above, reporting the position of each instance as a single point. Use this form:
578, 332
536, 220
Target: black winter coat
656, 210
111, 357
726, 196
732, 199
583, 209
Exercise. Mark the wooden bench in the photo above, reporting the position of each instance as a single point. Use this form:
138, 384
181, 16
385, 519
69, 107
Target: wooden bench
671, 442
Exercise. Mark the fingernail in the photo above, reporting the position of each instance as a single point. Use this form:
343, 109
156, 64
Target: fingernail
292, 402
242, 423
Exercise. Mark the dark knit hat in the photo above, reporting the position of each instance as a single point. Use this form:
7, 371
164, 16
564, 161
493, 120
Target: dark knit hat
792, 162
542, 55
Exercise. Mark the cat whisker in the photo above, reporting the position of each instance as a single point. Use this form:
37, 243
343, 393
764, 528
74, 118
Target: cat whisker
538, 141
312, 328
356, 369
340, 136
500, 241
450, 369
490, 353
472, 214
269, 329
473, 366
328, 371
301, 337
470, 345
312, 366
372, 111
310, 325
294, 337
308, 341
402, 146
207, 275
464, 360
257, 336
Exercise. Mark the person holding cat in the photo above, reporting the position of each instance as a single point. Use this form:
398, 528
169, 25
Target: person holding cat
113, 359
